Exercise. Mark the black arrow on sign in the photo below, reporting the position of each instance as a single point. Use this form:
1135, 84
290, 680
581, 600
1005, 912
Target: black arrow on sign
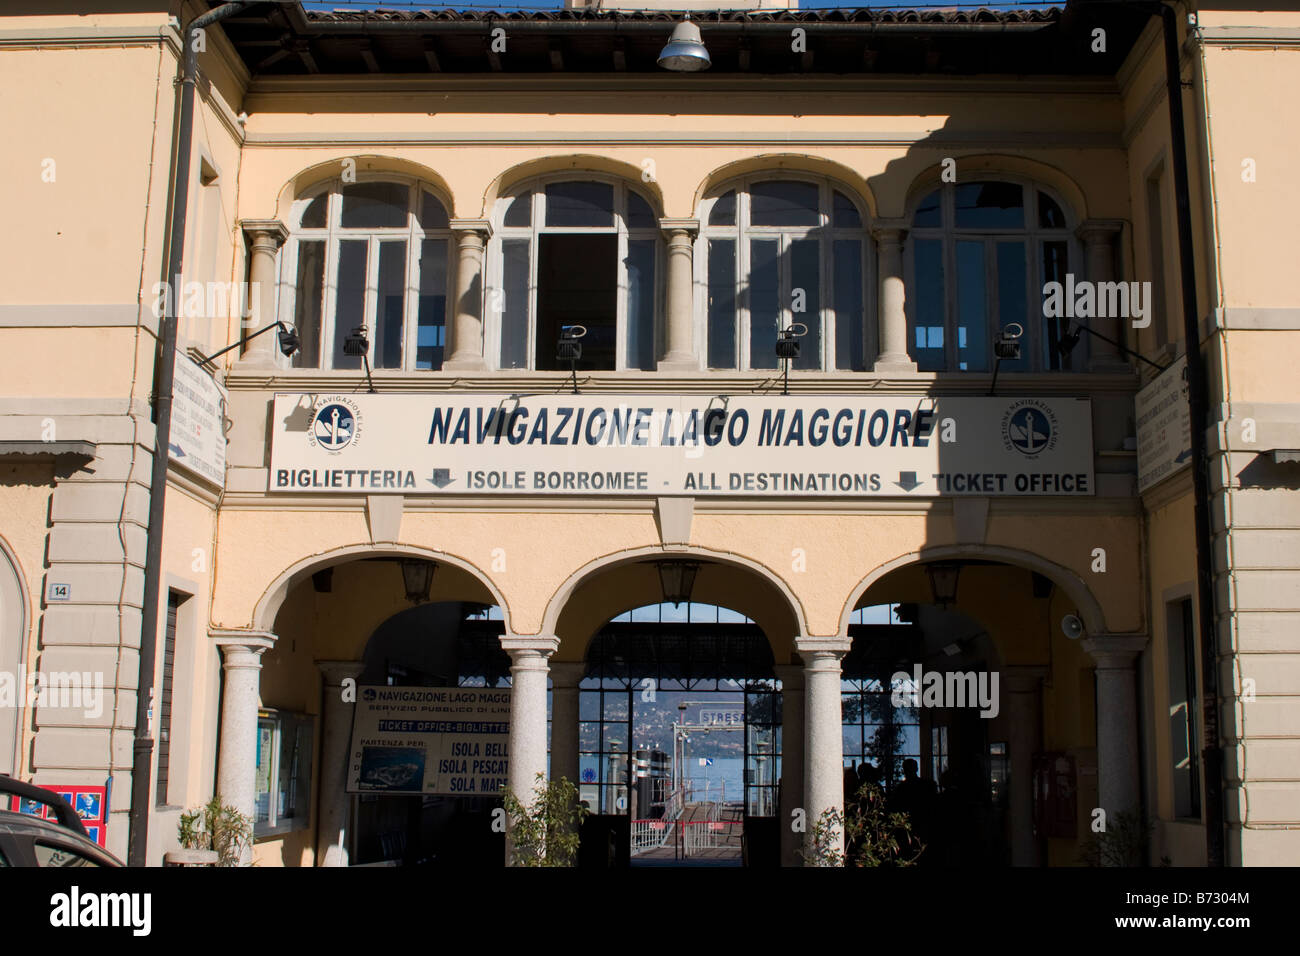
907, 480
441, 477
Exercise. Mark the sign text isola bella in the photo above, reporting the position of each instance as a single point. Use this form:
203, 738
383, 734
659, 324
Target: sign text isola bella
740, 446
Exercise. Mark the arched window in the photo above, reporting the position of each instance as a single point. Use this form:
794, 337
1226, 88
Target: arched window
978, 256
574, 252
776, 252
372, 254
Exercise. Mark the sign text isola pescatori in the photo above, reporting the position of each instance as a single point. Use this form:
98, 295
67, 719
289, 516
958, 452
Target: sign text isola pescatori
741, 446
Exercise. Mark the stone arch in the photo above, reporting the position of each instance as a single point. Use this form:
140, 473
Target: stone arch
577, 163
367, 163
268, 605
849, 178
15, 624
1089, 607
993, 164
789, 604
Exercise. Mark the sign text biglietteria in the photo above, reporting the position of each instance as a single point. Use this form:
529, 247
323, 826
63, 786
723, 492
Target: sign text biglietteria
739, 446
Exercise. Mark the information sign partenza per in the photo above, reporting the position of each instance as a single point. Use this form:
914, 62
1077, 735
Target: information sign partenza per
198, 434
698, 445
444, 740
1164, 432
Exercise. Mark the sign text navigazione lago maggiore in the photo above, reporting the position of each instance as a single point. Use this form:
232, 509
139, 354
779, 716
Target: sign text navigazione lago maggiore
742, 446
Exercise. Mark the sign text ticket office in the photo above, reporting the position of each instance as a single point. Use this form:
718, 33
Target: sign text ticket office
833, 446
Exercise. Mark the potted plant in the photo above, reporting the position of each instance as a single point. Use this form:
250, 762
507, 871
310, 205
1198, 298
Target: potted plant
213, 835
545, 833
872, 834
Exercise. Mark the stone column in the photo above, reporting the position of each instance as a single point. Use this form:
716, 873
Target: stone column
527, 747
824, 750
1025, 733
336, 732
891, 313
265, 236
466, 332
1117, 721
241, 661
565, 678
1099, 237
792, 762
679, 355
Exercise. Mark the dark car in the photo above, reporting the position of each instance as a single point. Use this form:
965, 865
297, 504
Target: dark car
27, 840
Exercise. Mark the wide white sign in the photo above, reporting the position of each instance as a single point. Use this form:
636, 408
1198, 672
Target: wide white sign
726, 445
447, 740
1164, 434
198, 434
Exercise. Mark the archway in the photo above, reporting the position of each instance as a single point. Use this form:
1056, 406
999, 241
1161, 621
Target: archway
668, 709
968, 655
341, 777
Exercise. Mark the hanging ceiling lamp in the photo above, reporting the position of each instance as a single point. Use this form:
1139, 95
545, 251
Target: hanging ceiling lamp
685, 52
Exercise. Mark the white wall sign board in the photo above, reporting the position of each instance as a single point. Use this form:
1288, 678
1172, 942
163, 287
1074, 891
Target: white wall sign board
1164, 434
198, 438
447, 740
736, 446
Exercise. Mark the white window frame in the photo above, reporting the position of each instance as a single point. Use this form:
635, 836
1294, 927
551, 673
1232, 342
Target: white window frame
332, 234
495, 296
826, 234
1032, 235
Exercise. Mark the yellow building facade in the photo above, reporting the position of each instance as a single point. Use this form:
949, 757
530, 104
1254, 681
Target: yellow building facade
462, 189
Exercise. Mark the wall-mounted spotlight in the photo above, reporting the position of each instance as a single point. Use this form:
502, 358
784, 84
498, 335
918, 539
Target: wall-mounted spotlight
357, 344
787, 349
1006, 346
569, 349
288, 341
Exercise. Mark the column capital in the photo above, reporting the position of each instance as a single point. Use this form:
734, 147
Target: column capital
567, 674
272, 229
529, 645
1099, 230
253, 640
670, 224
820, 645
889, 230
480, 227
818, 650
1114, 651
335, 672
242, 650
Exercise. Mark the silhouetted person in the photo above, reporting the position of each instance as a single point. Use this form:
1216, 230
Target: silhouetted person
916, 797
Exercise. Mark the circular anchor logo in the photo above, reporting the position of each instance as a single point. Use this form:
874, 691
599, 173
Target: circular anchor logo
1029, 427
335, 426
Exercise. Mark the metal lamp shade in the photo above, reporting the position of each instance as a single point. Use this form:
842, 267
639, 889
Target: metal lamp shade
943, 582
685, 52
417, 576
678, 580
